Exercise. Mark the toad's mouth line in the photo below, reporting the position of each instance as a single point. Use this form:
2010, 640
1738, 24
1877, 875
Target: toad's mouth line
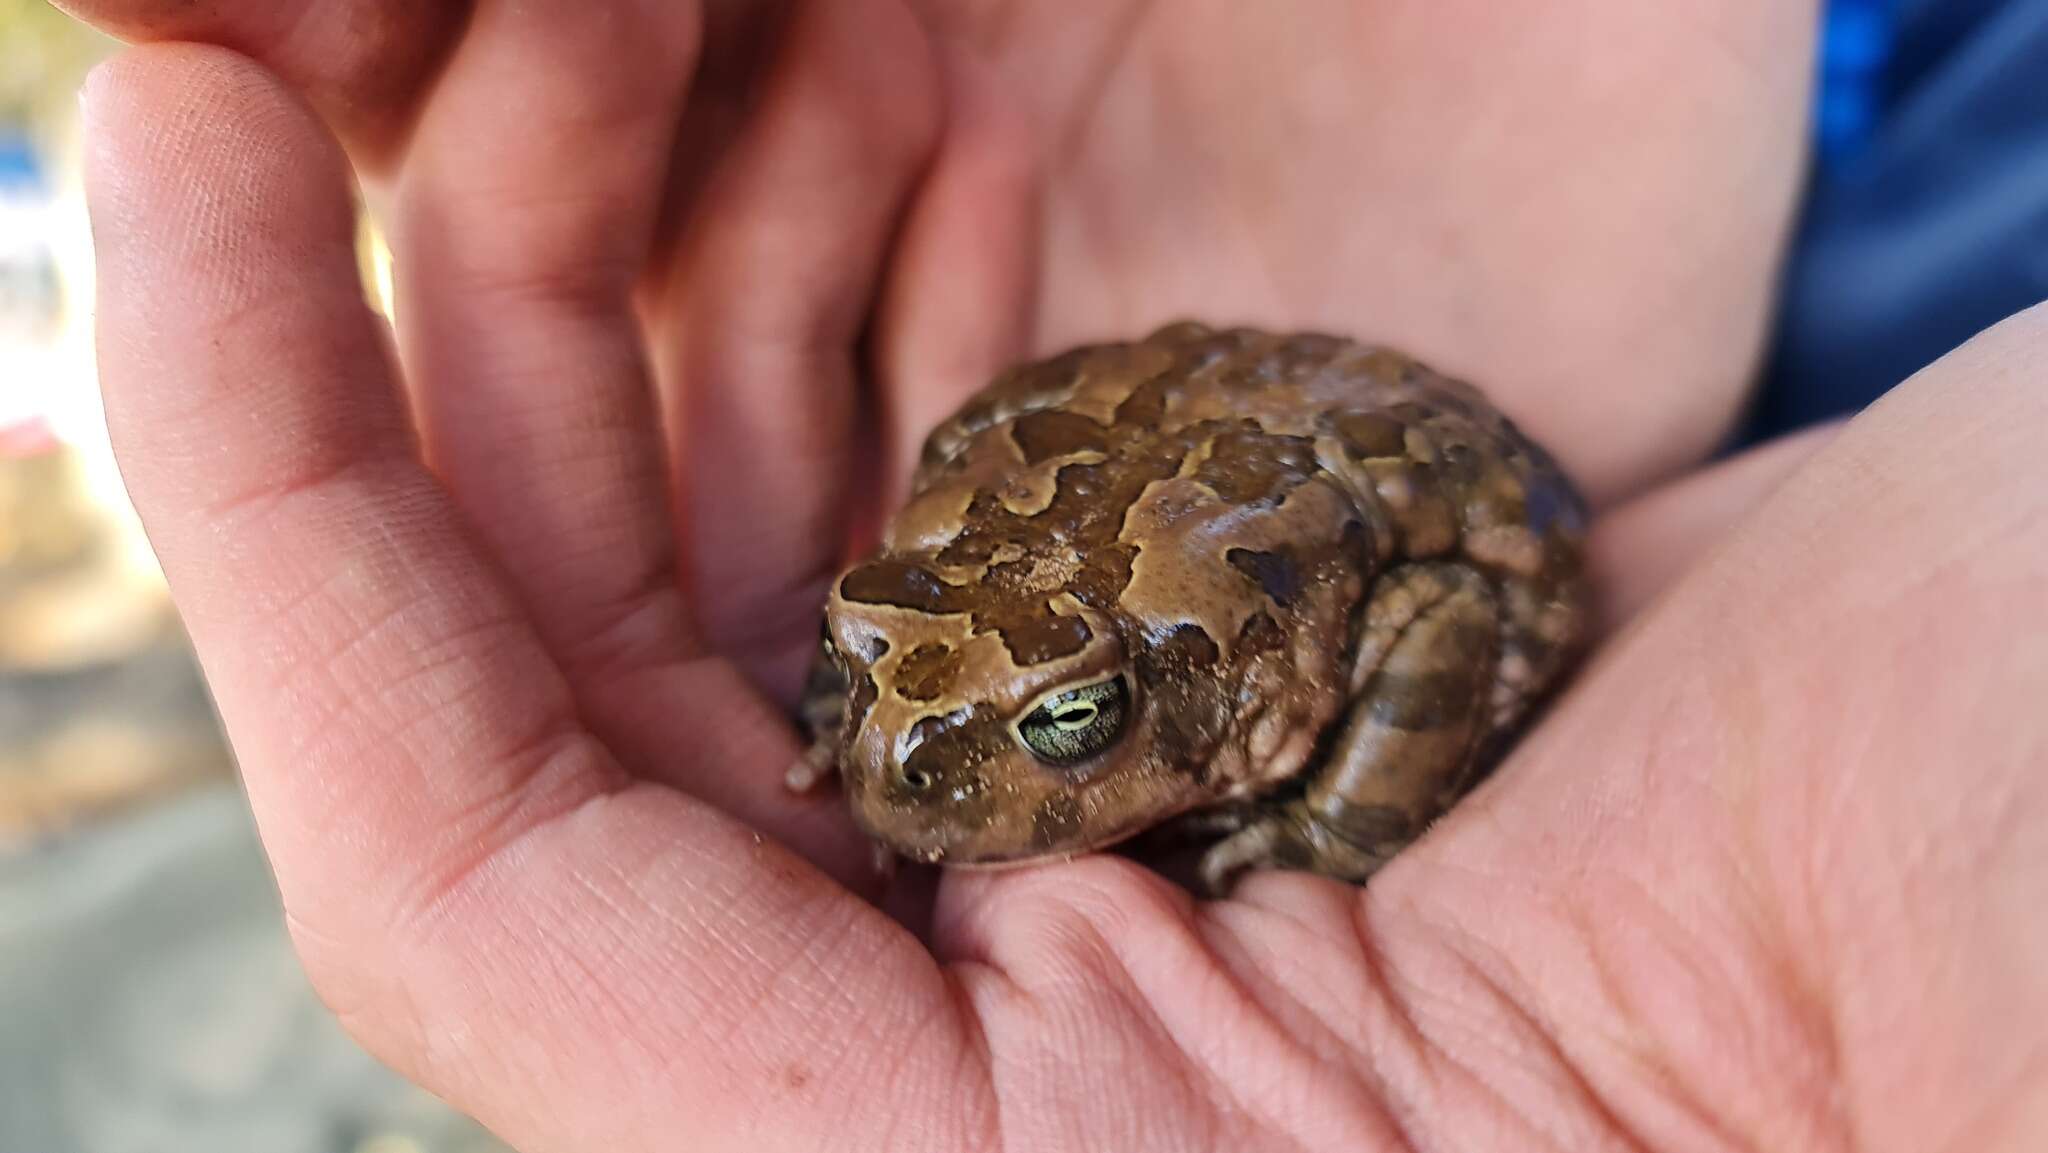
1021, 858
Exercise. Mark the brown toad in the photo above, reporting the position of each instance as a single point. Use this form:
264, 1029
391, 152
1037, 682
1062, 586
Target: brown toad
1290, 591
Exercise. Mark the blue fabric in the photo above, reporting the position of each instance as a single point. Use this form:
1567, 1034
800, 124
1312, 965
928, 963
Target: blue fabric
1926, 219
1856, 44
18, 165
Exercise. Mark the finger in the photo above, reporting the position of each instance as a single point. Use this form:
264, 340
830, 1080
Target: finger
365, 64
957, 306
1642, 547
314, 561
577, 963
514, 316
772, 287
519, 233
520, 226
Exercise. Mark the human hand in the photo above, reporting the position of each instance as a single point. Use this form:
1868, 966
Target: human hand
590, 214
493, 880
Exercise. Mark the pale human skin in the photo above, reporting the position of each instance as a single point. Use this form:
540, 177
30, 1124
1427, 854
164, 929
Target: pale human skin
1770, 877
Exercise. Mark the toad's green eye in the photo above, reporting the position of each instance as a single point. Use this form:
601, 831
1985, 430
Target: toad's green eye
1076, 724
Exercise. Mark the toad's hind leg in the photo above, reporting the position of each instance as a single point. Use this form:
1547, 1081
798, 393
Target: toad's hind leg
1418, 723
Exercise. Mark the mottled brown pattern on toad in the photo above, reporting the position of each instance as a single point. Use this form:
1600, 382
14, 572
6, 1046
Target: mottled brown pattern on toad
1289, 584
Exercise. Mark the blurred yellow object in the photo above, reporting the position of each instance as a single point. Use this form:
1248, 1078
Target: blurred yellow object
101, 706
44, 516
102, 614
43, 53
71, 590
94, 768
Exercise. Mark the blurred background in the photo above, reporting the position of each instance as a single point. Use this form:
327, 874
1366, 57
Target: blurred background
148, 997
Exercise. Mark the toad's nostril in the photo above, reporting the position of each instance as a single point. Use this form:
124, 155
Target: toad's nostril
916, 780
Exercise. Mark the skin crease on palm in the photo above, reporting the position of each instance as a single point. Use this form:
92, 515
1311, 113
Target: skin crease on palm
1768, 877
